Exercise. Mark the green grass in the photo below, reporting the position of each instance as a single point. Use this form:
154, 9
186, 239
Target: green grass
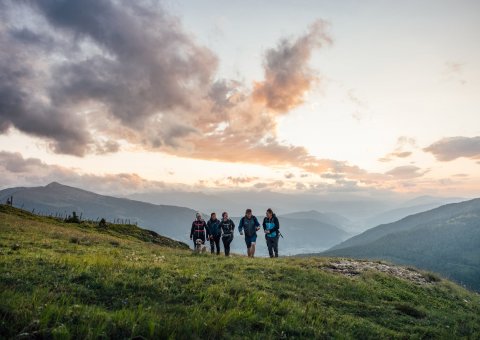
60, 280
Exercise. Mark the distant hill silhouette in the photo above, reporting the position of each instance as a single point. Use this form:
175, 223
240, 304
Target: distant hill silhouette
445, 240
414, 206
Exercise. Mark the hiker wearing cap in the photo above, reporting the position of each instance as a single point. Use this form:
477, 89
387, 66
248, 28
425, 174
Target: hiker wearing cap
213, 226
199, 230
227, 227
271, 228
249, 225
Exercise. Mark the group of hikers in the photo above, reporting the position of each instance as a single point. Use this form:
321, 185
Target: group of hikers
216, 229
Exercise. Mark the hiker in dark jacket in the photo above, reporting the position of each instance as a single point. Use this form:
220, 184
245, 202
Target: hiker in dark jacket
213, 226
227, 226
249, 225
271, 228
199, 230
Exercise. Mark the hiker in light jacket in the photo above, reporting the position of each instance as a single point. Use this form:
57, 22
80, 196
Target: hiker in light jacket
215, 232
271, 228
199, 230
249, 225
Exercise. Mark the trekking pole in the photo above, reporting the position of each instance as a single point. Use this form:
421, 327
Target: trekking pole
279, 233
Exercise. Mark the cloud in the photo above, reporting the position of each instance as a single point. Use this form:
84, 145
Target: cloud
403, 143
406, 172
450, 148
90, 76
270, 185
17, 170
241, 180
287, 75
86, 75
129, 63
289, 175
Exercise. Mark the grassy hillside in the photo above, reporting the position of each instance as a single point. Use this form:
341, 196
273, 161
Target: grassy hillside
56, 198
79, 281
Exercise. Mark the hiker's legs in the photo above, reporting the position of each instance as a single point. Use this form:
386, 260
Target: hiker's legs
248, 242
226, 245
275, 245
217, 243
269, 245
253, 241
212, 245
252, 249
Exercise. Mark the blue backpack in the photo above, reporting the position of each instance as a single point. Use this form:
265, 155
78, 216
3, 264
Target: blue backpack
270, 226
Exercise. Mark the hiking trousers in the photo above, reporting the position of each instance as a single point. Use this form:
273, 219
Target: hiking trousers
227, 239
272, 245
215, 242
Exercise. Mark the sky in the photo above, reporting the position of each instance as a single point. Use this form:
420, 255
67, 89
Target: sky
364, 98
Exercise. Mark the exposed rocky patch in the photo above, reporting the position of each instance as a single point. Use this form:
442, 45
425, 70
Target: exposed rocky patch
355, 267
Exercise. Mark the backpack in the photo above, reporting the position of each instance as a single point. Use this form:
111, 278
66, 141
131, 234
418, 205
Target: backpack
226, 226
199, 228
270, 224
249, 226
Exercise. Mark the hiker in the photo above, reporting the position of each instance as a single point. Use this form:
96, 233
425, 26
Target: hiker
227, 226
213, 226
249, 224
271, 228
199, 230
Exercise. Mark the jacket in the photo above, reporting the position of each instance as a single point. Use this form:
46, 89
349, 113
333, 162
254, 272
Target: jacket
274, 232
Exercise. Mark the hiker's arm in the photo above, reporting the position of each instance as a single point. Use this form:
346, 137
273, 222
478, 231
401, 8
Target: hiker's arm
264, 224
240, 226
207, 229
191, 230
256, 222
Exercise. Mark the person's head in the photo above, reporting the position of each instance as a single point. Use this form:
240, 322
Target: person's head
198, 216
225, 215
248, 213
213, 216
269, 213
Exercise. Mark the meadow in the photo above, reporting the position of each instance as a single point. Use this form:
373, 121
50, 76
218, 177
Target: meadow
78, 280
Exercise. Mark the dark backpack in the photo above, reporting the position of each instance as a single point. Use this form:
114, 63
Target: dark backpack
226, 226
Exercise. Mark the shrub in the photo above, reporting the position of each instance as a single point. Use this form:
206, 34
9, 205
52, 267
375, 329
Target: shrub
72, 219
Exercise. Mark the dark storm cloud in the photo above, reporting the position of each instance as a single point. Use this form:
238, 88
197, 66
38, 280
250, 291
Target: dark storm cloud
448, 149
129, 62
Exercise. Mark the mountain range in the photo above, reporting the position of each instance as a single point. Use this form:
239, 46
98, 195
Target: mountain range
303, 232
445, 240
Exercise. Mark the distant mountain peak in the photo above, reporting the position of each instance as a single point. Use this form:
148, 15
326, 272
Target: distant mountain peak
53, 185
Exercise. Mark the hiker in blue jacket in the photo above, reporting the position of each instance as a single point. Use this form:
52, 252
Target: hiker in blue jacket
249, 224
227, 226
213, 226
199, 230
271, 228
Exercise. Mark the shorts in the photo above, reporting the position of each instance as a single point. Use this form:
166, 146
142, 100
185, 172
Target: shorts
250, 239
